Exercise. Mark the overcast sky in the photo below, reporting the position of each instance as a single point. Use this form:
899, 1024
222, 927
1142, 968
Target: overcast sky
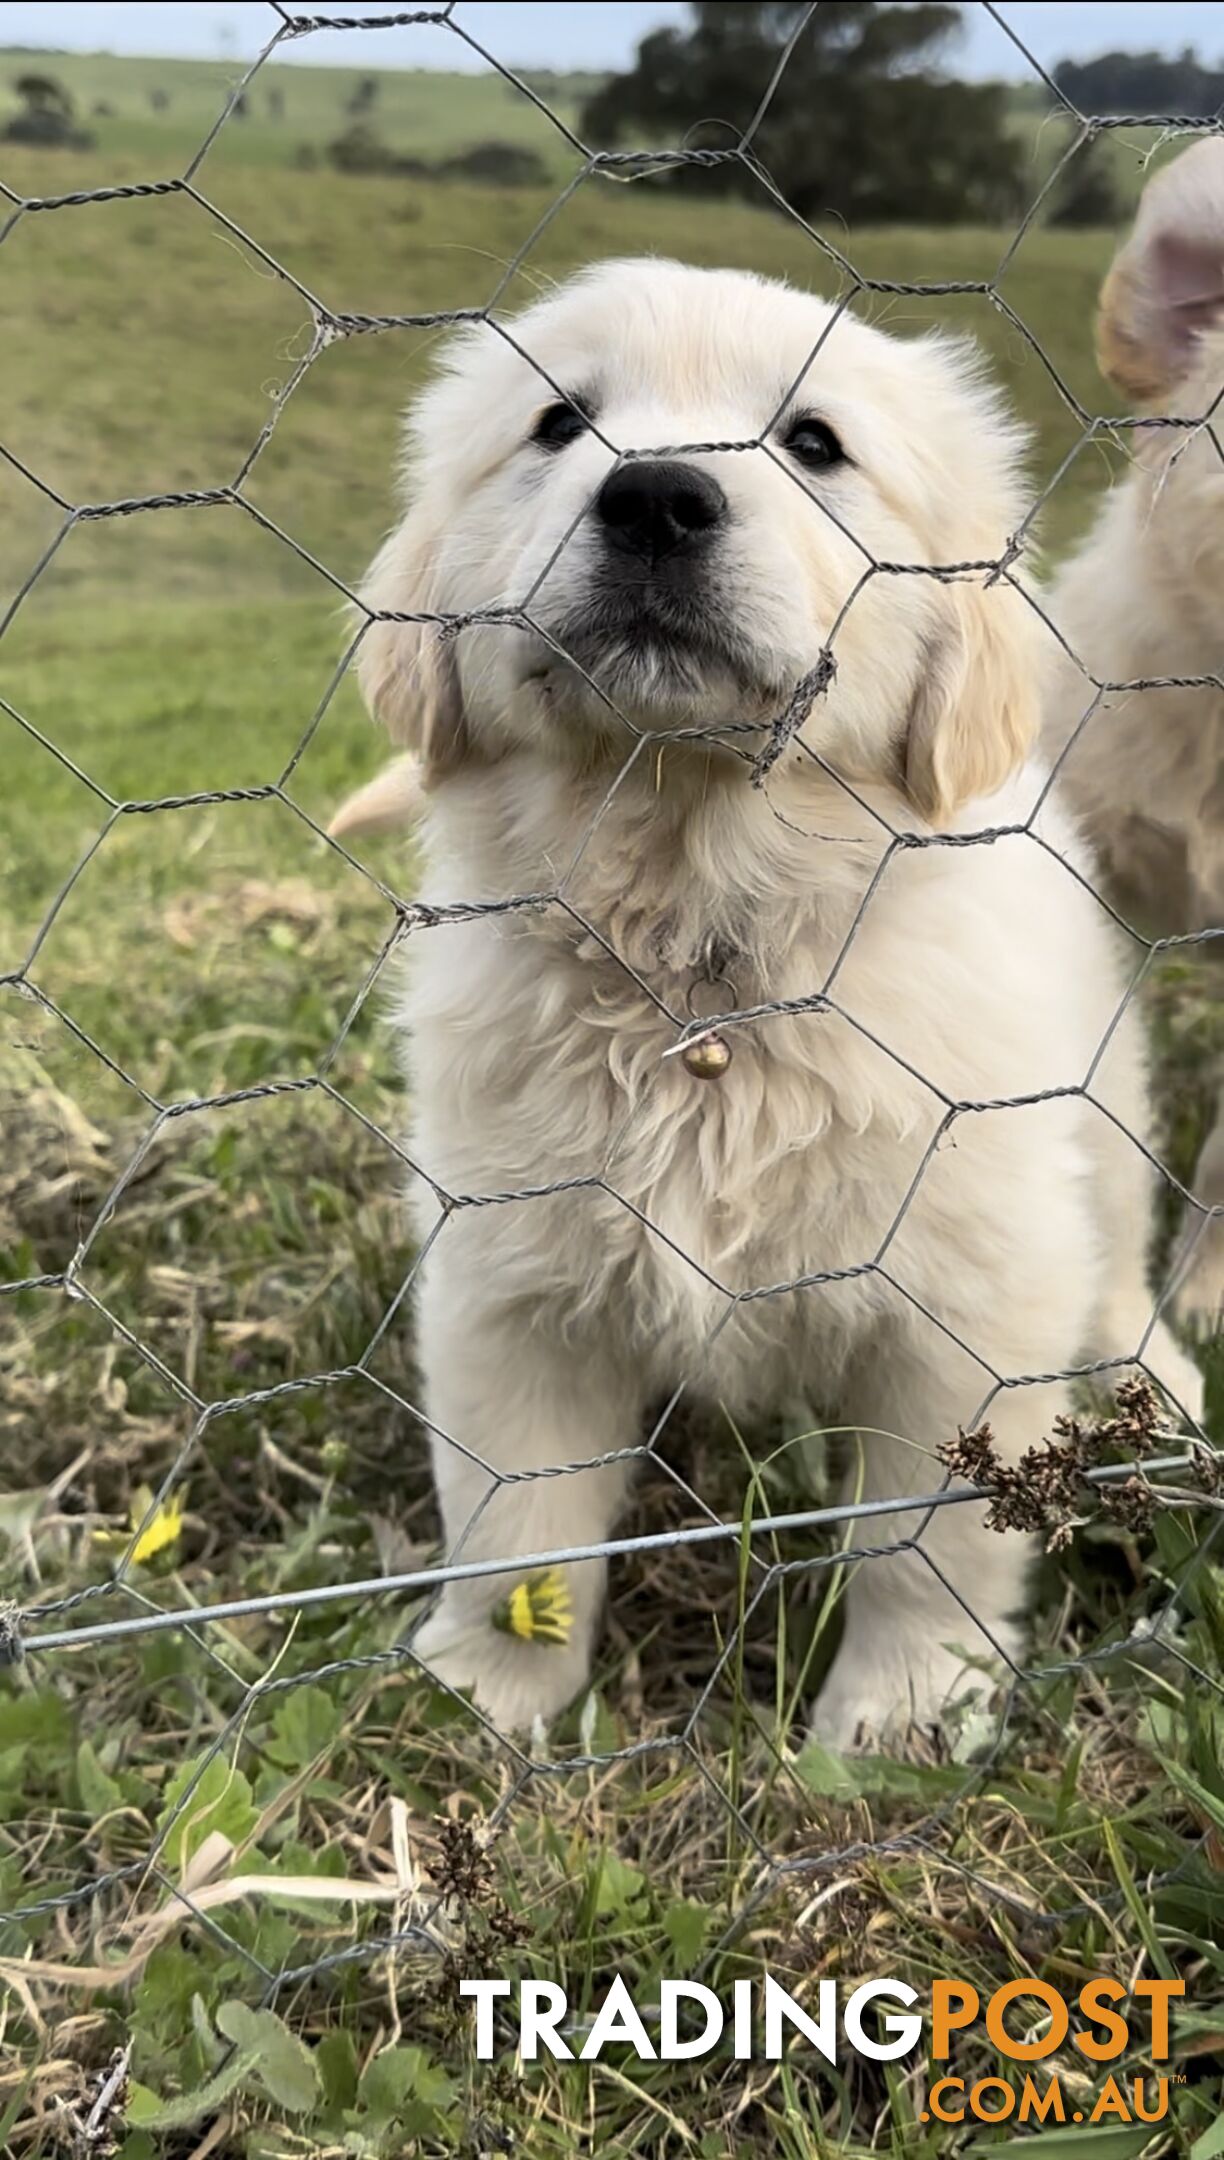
574, 33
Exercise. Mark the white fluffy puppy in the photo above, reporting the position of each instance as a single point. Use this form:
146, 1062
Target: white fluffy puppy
846, 1210
1142, 601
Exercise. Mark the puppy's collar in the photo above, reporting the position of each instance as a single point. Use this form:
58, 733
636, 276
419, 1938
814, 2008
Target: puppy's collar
713, 962
711, 991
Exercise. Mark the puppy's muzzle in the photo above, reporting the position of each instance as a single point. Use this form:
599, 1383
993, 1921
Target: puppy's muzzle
659, 508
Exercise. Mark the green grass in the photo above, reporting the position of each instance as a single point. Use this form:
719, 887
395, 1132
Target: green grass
426, 112
217, 946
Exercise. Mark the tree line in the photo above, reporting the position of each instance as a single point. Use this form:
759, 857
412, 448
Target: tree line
866, 121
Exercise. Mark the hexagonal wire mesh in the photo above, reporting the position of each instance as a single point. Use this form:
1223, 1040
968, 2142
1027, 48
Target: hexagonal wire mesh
49, 1629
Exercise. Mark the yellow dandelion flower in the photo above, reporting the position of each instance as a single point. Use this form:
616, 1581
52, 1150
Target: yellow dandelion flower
158, 1530
538, 1609
164, 1527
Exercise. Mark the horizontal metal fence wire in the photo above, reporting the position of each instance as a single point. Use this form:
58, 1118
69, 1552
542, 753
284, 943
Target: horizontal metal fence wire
114, 1611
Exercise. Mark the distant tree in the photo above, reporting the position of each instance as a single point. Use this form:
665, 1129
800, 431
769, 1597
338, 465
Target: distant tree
240, 109
44, 94
497, 164
361, 149
46, 115
1143, 82
276, 102
364, 95
159, 99
862, 124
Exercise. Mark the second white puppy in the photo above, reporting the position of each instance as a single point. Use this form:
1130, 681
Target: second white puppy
1141, 603
893, 1197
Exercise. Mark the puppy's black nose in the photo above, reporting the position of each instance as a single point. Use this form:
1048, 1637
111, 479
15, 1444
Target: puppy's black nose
657, 508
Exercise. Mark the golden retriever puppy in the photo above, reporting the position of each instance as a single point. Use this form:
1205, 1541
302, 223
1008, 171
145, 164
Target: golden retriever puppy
881, 1182
1141, 602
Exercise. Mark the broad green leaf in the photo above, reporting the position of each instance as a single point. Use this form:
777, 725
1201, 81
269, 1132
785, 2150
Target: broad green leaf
211, 2049
145, 2111
619, 1885
35, 1745
827, 1774
100, 1795
221, 1800
283, 2064
336, 2059
34, 1715
1211, 2144
434, 2085
388, 2080
398, 2077
305, 1724
847, 1777
163, 1996
12, 1766
1116, 2141
684, 1925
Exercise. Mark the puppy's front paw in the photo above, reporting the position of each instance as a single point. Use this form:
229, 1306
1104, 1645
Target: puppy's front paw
878, 1694
512, 1681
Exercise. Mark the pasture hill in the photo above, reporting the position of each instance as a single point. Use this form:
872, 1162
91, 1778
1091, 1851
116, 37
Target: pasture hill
155, 346
190, 647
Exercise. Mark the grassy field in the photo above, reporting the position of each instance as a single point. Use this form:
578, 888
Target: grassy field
218, 946
159, 111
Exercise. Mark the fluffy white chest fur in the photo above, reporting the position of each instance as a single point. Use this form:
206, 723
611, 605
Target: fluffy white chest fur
892, 994
844, 1213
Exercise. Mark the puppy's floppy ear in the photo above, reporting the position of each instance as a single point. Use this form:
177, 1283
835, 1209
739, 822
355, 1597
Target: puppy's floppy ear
975, 715
1167, 285
408, 671
391, 799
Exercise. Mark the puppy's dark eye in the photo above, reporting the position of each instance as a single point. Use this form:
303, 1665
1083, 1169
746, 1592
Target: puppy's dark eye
559, 425
813, 444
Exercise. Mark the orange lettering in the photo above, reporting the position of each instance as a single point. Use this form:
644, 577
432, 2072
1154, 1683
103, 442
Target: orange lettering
1160, 1991
978, 2104
944, 2021
1161, 2109
1035, 2106
1092, 2000
1111, 2103
1027, 2050
939, 2088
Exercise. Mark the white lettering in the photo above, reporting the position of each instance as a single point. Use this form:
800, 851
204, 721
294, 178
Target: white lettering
671, 1993
617, 2020
541, 2006
484, 1992
907, 2030
780, 2005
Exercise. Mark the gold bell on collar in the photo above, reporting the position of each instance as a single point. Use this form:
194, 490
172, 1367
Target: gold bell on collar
706, 1056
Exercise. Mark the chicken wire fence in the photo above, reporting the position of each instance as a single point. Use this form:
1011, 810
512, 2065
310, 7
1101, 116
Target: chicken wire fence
108, 1615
